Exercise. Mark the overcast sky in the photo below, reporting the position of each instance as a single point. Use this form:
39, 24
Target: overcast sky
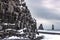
46, 12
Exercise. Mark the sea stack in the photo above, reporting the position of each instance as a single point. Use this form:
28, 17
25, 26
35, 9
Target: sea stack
52, 27
41, 27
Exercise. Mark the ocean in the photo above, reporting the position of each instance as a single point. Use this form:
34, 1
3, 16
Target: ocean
53, 30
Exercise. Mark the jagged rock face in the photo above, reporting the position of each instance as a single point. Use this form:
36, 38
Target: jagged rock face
12, 10
16, 12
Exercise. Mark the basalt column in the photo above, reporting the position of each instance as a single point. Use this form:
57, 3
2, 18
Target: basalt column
14, 14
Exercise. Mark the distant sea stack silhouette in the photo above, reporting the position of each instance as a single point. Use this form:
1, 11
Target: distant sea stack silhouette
52, 27
14, 14
41, 27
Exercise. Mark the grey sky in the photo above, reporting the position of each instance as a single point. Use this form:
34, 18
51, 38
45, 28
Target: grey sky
46, 12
